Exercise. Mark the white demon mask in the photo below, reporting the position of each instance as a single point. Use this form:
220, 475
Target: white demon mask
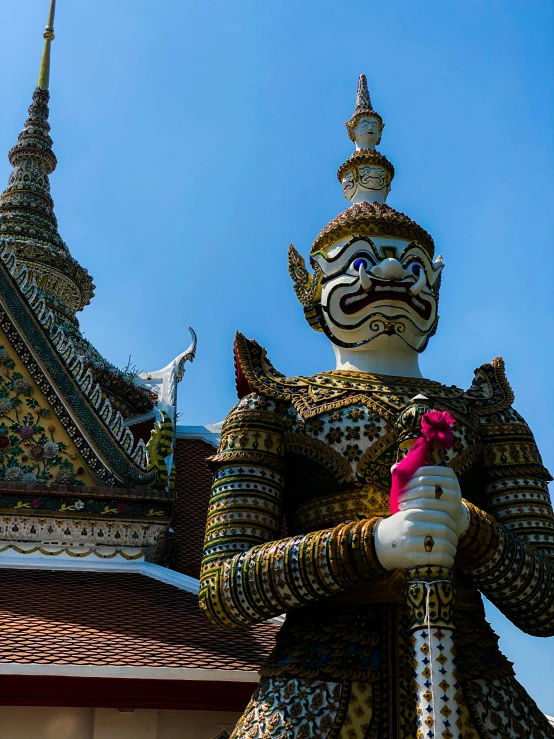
375, 287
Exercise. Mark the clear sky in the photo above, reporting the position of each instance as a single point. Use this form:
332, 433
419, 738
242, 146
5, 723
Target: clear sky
197, 140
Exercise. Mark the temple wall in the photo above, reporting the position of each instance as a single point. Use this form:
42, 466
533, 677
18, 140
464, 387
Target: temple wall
110, 723
22, 722
194, 724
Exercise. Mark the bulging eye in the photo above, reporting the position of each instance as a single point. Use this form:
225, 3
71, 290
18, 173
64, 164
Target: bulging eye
360, 263
416, 269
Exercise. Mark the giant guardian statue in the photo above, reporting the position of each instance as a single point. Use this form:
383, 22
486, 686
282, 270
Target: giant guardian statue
385, 634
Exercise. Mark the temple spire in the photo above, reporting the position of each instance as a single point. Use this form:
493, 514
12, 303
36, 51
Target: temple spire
44, 74
27, 217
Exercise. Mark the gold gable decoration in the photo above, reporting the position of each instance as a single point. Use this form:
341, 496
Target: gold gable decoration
34, 446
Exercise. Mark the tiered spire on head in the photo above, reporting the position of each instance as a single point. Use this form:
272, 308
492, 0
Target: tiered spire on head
367, 174
363, 109
363, 101
27, 217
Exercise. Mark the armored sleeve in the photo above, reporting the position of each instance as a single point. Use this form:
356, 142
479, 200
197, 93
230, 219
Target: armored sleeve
248, 574
509, 548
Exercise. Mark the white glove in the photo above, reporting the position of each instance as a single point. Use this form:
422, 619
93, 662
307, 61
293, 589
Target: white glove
436, 489
431, 513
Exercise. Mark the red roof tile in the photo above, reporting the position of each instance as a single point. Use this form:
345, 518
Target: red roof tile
90, 618
192, 491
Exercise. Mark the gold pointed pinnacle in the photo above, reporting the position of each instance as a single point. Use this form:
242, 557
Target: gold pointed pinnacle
44, 74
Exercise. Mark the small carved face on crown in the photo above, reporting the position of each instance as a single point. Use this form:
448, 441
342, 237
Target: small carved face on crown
367, 132
372, 178
378, 287
369, 183
348, 185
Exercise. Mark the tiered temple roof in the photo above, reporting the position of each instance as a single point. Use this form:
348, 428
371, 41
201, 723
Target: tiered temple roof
103, 505
42, 289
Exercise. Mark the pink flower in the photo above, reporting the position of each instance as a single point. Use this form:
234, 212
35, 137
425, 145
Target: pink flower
121, 507
437, 426
26, 432
4, 441
35, 503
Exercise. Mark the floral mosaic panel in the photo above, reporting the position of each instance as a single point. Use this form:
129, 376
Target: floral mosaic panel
29, 448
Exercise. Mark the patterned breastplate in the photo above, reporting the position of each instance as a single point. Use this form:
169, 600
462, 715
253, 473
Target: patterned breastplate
339, 455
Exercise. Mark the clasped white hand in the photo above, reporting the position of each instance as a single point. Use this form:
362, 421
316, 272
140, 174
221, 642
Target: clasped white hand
428, 525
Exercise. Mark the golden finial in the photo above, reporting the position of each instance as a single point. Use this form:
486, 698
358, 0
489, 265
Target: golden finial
44, 74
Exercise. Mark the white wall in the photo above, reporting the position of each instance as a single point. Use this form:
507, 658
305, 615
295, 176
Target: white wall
46, 723
194, 724
110, 723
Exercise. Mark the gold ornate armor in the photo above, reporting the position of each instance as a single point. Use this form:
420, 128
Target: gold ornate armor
316, 452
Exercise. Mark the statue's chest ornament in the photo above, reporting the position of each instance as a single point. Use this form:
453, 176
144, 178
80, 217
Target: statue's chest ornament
331, 391
355, 434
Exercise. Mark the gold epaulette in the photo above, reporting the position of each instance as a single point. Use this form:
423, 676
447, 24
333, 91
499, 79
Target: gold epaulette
490, 391
254, 373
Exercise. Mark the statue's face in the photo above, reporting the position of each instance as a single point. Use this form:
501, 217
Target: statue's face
372, 178
367, 132
378, 287
348, 185
372, 184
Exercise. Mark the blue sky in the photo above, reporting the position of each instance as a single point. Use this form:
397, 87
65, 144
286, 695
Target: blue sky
197, 140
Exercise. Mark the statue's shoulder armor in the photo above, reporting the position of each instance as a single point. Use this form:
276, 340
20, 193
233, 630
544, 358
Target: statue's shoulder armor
254, 373
490, 391
329, 391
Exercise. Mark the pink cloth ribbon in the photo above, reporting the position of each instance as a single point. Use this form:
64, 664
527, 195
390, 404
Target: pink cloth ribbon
435, 426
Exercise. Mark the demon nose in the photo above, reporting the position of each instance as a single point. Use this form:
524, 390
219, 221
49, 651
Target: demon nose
365, 279
389, 269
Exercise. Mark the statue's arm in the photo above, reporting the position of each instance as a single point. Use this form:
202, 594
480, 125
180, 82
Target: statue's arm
508, 550
248, 575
